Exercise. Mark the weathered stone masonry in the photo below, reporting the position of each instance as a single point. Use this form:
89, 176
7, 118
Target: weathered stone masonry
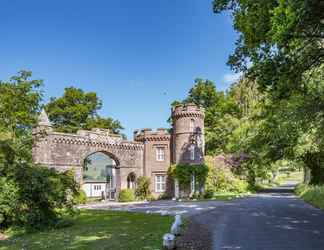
185, 144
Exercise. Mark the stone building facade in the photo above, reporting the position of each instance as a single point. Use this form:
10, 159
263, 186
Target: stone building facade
150, 153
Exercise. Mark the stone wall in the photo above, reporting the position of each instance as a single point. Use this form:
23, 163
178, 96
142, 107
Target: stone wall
185, 136
64, 151
152, 140
68, 151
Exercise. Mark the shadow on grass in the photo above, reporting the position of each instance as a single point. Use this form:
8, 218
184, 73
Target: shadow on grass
98, 230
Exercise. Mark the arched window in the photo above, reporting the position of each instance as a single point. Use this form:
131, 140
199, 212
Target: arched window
131, 181
192, 152
192, 125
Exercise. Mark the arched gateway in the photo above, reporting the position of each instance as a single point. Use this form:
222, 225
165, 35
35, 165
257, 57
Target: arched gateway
104, 163
100, 174
64, 151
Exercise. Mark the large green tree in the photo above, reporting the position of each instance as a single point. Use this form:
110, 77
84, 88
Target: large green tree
19, 103
281, 39
77, 109
221, 113
280, 48
30, 195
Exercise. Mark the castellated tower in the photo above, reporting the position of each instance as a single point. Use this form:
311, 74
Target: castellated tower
188, 134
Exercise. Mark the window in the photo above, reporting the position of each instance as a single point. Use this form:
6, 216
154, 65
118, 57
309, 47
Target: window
159, 183
160, 154
192, 152
192, 125
97, 187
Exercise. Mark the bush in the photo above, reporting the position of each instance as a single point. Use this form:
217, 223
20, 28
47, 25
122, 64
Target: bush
35, 196
221, 179
126, 195
184, 173
301, 188
45, 195
9, 201
80, 197
311, 194
143, 188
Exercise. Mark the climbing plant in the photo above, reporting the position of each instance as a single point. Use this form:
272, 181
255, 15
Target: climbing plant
184, 172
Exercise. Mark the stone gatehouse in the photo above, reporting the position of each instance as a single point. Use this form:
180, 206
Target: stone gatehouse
104, 163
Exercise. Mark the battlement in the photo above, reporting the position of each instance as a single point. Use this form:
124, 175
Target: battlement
187, 110
150, 134
98, 132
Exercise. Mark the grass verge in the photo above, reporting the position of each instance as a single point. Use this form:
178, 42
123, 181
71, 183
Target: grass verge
311, 194
94, 229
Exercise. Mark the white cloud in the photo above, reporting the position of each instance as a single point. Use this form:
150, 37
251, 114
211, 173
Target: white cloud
229, 78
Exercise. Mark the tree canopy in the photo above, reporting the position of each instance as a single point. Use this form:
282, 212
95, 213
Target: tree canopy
280, 40
30, 195
77, 109
280, 50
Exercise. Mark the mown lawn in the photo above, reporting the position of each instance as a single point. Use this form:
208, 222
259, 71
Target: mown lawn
94, 229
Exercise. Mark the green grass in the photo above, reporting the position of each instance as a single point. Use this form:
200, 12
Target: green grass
311, 194
282, 178
228, 196
221, 196
94, 229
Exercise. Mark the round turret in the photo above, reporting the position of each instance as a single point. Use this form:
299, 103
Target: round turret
188, 134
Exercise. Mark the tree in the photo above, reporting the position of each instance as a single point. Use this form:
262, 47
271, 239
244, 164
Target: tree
280, 48
77, 109
281, 39
29, 195
19, 104
221, 113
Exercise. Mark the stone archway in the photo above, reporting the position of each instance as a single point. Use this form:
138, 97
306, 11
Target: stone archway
100, 175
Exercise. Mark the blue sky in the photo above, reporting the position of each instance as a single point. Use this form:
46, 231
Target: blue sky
139, 56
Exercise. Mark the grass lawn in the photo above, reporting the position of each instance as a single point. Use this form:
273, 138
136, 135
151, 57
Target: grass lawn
228, 196
222, 197
94, 229
311, 194
283, 178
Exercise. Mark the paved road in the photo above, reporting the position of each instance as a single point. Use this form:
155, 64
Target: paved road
167, 207
274, 220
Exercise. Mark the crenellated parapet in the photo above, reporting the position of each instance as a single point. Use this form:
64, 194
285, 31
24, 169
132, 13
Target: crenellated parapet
94, 138
161, 134
187, 110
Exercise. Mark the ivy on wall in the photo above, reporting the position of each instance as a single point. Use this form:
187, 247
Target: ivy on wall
183, 173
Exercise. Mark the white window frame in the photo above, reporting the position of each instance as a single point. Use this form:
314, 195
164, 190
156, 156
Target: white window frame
160, 153
192, 152
160, 183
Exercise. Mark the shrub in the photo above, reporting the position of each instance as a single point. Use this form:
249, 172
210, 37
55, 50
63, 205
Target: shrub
9, 201
301, 188
311, 194
143, 188
126, 195
45, 195
222, 179
35, 196
184, 173
80, 197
